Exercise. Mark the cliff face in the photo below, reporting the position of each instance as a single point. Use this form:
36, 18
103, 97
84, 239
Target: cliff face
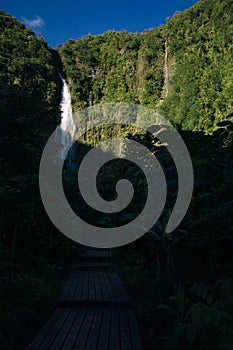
183, 68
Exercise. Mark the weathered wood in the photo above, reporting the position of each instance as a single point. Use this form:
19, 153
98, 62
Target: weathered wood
75, 329
134, 331
94, 265
61, 336
93, 287
95, 329
114, 341
82, 338
125, 336
89, 328
94, 311
103, 342
96, 255
45, 330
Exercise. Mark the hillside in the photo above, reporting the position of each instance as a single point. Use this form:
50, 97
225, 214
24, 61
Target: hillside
183, 68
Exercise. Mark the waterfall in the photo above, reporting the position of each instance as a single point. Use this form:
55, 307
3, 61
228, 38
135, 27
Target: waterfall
166, 72
67, 130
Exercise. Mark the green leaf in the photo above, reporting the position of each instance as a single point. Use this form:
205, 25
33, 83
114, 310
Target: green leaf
210, 299
178, 332
169, 309
207, 315
191, 333
215, 316
153, 234
205, 291
193, 287
196, 315
180, 292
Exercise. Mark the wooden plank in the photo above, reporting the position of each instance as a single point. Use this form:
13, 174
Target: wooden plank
73, 287
115, 291
75, 329
95, 286
84, 295
91, 295
80, 282
89, 328
103, 342
125, 337
94, 265
66, 288
98, 289
59, 340
106, 297
94, 331
108, 286
96, 254
54, 330
45, 330
84, 331
119, 288
114, 341
134, 331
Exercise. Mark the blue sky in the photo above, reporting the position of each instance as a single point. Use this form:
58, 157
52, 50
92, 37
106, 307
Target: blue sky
60, 20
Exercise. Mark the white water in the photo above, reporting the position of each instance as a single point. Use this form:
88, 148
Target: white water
166, 71
66, 133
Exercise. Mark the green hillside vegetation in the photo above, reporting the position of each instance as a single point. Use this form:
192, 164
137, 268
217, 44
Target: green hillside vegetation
115, 67
131, 67
200, 50
181, 282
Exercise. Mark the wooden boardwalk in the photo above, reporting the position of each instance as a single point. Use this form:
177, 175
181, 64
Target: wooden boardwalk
93, 311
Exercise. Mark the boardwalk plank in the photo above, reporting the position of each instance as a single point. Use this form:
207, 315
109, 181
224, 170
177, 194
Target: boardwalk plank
54, 331
80, 282
66, 288
96, 254
94, 332
91, 296
94, 286
108, 286
45, 330
72, 289
82, 338
114, 341
94, 311
94, 265
59, 340
84, 295
106, 296
134, 331
75, 329
103, 343
98, 290
119, 288
125, 337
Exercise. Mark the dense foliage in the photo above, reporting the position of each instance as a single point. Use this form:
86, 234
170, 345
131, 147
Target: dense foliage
132, 67
115, 67
200, 50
